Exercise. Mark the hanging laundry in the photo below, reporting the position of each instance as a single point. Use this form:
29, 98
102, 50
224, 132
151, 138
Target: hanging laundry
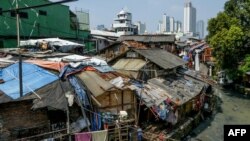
96, 122
163, 111
172, 118
139, 134
100, 135
49, 139
83, 136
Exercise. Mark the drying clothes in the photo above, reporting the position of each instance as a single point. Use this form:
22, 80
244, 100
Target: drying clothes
96, 122
168, 101
163, 112
83, 136
100, 135
139, 134
49, 139
172, 118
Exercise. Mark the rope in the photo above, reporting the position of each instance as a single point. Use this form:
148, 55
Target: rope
41, 134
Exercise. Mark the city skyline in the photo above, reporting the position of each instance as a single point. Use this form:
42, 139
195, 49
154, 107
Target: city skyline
146, 11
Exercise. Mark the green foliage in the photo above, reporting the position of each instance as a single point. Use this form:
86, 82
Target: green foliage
229, 36
222, 21
226, 45
245, 67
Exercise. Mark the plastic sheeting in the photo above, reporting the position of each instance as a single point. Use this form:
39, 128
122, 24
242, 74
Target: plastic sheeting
56, 43
79, 90
48, 64
34, 78
53, 96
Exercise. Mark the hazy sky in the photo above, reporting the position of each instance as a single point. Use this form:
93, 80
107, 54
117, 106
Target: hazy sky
148, 11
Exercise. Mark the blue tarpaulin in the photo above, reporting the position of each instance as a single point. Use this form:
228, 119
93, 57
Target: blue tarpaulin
79, 90
34, 78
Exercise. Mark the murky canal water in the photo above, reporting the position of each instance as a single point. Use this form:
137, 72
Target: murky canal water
232, 108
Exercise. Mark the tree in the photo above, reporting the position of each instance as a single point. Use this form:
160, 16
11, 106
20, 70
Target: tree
240, 9
245, 67
222, 21
229, 35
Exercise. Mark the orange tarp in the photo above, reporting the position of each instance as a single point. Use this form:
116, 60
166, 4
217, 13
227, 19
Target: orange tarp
48, 64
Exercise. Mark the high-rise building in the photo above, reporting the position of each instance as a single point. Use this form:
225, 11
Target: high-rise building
189, 18
165, 23
123, 24
172, 25
159, 27
141, 27
175, 26
200, 28
179, 26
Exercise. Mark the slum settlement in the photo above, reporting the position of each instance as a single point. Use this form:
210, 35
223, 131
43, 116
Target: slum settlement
136, 88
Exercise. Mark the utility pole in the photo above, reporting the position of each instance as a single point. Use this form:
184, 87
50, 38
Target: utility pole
19, 53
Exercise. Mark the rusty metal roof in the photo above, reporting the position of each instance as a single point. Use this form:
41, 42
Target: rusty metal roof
177, 89
162, 58
129, 64
148, 38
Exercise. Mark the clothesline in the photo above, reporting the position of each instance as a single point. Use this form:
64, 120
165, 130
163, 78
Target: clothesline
164, 137
129, 126
65, 134
41, 134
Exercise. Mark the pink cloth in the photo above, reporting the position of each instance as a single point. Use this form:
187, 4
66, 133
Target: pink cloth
83, 137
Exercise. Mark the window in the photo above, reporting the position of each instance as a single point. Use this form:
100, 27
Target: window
42, 12
21, 14
1, 11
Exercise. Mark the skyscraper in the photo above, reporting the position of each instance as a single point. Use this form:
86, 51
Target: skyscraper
172, 24
159, 27
165, 23
200, 28
179, 26
189, 18
141, 27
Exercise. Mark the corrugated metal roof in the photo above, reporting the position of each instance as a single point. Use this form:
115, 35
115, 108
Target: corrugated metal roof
162, 58
129, 64
178, 89
147, 38
95, 83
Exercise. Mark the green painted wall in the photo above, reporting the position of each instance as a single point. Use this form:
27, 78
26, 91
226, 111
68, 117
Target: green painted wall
55, 24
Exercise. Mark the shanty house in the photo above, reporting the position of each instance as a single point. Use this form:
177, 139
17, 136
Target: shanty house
170, 102
136, 60
144, 64
165, 42
41, 109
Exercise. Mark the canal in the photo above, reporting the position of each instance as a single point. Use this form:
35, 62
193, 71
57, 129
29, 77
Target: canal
232, 108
